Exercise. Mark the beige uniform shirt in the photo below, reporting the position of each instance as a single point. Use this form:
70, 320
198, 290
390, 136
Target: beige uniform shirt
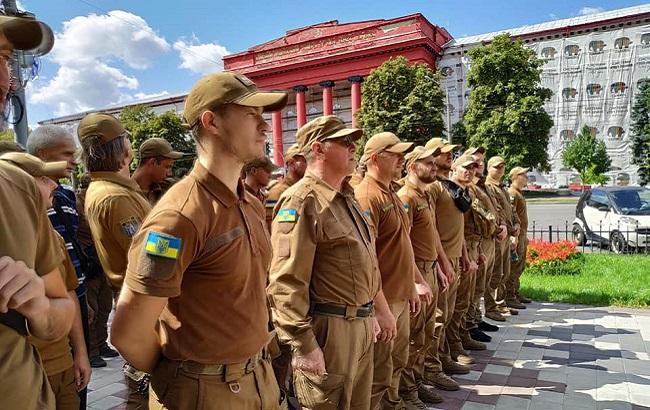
323, 252
115, 208
419, 208
519, 205
496, 190
449, 219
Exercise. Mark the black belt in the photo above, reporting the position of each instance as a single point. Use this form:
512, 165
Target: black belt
14, 320
347, 312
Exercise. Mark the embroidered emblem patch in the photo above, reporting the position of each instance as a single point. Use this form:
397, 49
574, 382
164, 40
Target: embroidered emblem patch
130, 226
422, 206
162, 245
388, 207
407, 207
287, 215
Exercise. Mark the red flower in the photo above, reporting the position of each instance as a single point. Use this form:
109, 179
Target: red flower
540, 251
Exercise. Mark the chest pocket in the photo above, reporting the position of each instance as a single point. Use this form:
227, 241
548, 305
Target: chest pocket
223, 239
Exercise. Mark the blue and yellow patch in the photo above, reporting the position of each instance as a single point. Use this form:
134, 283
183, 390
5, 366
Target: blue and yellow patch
162, 245
407, 207
287, 215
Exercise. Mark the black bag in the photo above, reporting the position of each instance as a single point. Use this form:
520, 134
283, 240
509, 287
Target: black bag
461, 197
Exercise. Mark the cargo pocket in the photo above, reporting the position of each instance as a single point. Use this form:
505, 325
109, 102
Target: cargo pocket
319, 392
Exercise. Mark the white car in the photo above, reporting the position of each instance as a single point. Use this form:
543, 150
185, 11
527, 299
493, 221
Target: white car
615, 216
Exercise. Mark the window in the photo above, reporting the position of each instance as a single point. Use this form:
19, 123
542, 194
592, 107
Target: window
598, 199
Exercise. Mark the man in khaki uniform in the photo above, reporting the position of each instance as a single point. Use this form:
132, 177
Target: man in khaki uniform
421, 168
28, 250
156, 158
401, 281
324, 274
193, 310
115, 208
518, 181
495, 306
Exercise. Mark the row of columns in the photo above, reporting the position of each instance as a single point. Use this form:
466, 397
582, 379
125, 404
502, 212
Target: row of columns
301, 111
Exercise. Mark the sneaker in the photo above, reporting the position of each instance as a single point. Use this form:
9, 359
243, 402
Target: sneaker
441, 381
479, 336
428, 397
487, 327
523, 299
496, 316
97, 361
108, 352
413, 403
451, 367
514, 303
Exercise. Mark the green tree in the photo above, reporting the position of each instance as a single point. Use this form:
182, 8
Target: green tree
505, 112
458, 134
142, 123
641, 132
588, 156
402, 98
7, 135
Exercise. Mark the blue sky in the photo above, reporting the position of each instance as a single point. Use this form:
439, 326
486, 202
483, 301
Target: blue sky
110, 52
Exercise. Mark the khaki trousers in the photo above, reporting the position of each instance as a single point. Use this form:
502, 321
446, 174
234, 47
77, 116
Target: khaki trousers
466, 284
495, 291
100, 300
517, 268
348, 349
423, 332
390, 359
474, 315
446, 304
173, 388
65, 390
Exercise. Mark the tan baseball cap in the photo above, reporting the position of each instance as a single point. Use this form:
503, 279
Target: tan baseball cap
385, 141
35, 166
474, 150
441, 144
517, 171
158, 147
27, 34
324, 128
464, 161
293, 151
496, 161
263, 162
228, 87
99, 124
419, 153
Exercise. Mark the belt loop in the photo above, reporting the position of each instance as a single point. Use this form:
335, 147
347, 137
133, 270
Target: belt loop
350, 312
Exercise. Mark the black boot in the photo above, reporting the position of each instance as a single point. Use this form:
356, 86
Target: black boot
487, 327
479, 336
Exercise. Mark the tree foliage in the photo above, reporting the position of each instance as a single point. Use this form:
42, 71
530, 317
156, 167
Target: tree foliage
142, 123
402, 98
588, 156
7, 135
505, 112
641, 132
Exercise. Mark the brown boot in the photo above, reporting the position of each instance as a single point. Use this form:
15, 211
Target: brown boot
413, 403
523, 299
507, 311
462, 357
496, 316
441, 381
451, 367
471, 344
514, 303
428, 396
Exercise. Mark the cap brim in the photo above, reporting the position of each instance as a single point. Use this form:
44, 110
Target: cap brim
54, 169
448, 148
427, 153
354, 133
466, 164
31, 36
269, 100
496, 164
174, 155
401, 148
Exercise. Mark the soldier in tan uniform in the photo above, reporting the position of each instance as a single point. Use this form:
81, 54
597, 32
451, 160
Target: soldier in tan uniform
193, 310
421, 168
28, 250
495, 306
114, 207
324, 274
155, 160
402, 283
518, 181
258, 175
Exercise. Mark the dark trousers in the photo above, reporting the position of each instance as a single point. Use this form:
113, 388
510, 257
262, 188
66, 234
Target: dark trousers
100, 299
83, 305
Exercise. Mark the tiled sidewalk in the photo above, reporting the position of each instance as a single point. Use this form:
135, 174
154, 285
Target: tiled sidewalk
551, 356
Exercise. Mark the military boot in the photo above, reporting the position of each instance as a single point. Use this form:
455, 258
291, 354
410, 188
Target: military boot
440, 380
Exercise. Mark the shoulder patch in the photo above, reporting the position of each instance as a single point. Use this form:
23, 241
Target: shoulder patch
130, 226
287, 215
159, 244
367, 213
407, 207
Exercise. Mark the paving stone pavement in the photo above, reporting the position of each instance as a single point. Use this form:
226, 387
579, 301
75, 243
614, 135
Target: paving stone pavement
550, 356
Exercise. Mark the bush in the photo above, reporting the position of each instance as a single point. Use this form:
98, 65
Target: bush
557, 258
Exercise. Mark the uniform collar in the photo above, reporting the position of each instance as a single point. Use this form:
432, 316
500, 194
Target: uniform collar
415, 188
492, 181
383, 187
326, 189
217, 188
116, 178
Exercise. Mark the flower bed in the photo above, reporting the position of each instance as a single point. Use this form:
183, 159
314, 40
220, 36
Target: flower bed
554, 258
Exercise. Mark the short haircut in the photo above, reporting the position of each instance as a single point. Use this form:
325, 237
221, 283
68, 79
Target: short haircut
45, 137
107, 157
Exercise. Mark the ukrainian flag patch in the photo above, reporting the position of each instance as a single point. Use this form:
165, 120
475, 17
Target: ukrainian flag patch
287, 215
407, 207
162, 245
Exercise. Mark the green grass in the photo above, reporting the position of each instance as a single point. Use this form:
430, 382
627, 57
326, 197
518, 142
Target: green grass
606, 280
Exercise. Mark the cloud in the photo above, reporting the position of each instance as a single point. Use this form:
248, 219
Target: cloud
200, 58
90, 53
145, 96
553, 16
590, 10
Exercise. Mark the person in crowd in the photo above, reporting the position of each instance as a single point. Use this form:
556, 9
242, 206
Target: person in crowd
518, 181
155, 160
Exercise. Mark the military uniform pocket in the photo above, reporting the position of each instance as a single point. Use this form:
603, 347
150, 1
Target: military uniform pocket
319, 392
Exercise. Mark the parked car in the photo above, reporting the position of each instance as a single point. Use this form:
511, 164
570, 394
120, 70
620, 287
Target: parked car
617, 216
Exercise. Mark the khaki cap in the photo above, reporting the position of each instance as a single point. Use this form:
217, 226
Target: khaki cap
496, 161
517, 171
293, 151
324, 128
419, 153
34, 166
385, 141
263, 162
441, 144
99, 124
158, 147
474, 150
27, 34
228, 87
464, 161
